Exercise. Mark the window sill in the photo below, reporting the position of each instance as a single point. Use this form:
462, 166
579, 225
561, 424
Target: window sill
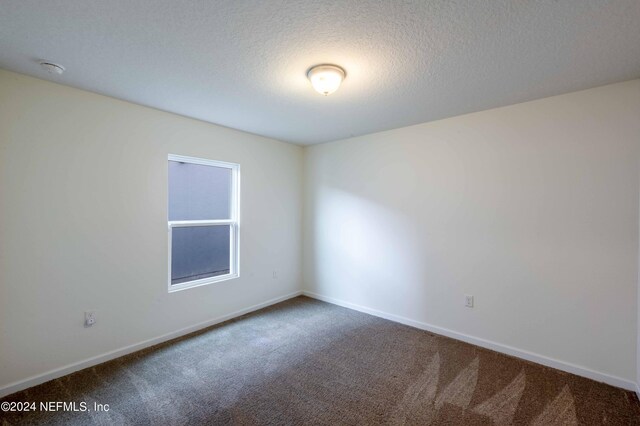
200, 283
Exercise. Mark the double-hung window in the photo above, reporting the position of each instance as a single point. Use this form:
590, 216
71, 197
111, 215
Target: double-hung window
203, 221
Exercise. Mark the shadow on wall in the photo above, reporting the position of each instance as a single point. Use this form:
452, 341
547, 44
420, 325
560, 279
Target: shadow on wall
367, 243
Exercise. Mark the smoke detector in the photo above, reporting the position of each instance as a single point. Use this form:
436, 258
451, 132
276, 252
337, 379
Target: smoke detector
52, 68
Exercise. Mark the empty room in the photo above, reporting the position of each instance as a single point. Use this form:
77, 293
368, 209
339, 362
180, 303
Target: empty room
291, 212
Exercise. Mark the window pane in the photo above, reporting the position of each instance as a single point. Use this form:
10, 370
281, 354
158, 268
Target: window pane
198, 192
199, 252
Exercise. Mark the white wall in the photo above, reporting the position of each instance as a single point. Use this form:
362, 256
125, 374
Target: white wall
83, 190
531, 208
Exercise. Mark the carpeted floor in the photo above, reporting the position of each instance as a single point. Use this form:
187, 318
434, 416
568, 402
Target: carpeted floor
308, 362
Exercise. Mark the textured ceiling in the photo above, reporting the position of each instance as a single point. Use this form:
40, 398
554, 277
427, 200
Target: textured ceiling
242, 64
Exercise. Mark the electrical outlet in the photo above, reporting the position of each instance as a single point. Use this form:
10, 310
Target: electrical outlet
275, 275
468, 301
89, 318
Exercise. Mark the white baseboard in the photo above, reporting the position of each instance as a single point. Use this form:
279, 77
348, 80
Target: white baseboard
638, 391
99, 359
498, 347
529, 356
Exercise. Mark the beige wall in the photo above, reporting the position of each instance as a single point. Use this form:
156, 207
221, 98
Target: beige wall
83, 190
531, 208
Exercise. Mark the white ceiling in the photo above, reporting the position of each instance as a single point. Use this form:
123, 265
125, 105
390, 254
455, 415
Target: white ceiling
242, 63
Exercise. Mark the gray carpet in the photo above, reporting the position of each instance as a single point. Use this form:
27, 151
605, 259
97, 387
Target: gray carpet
308, 362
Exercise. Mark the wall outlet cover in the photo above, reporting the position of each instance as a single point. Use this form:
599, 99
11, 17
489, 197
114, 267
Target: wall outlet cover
89, 318
468, 301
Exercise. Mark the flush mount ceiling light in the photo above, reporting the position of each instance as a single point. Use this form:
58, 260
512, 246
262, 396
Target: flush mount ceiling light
326, 78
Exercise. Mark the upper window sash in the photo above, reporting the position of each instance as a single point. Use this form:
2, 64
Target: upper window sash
234, 202
180, 223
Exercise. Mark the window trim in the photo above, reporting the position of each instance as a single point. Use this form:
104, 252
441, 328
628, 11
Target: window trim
233, 222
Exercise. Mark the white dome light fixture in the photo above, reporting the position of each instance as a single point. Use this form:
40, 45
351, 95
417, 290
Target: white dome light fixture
326, 78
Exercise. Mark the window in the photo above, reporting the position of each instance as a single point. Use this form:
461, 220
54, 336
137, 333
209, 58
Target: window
203, 221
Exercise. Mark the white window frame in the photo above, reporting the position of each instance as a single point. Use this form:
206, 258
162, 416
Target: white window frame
233, 222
